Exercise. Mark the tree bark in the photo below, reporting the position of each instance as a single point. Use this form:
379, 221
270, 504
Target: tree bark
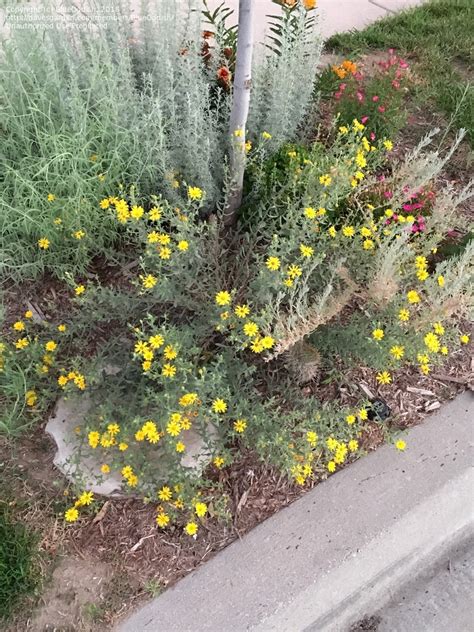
240, 108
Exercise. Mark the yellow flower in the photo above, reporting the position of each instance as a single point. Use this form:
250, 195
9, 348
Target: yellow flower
404, 315
156, 341
137, 212
378, 334
71, 514
218, 462
368, 244
311, 438
50, 345
62, 380
28, 314
104, 204
438, 328
188, 399
331, 466
250, 329
306, 251
363, 414
425, 368
383, 377
183, 245
164, 253
22, 343
400, 445
201, 509
223, 298
165, 493
149, 281
101, 177
257, 346
273, 263
104, 468
154, 214
351, 419
353, 445
170, 352
413, 297
79, 234
343, 130
219, 406
358, 127
444, 350
422, 275
43, 243
239, 133
122, 446
162, 519
180, 447
388, 145
19, 326
51, 197
85, 499
62, 328
191, 528
267, 342
310, 212
464, 339
194, 193
240, 425
440, 280
168, 370
398, 351
432, 342
80, 289
325, 180
348, 231
31, 398
248, 146
113, 429
332, 231
294, 271
242, 311
266, 135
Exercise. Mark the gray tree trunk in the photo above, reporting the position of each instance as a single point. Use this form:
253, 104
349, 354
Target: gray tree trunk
240, 107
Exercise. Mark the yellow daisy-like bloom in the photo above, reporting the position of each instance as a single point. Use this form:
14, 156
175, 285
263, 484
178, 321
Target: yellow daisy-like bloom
250, 329
413, 297
267, 342
218, 462
28, 313
363, 414
180, 447
444, 350
257, 346
122, 446
156, 341
170, 352
397, 351
201, 509
422, 275
191, 528
351, 419
294, 271
383, 377
368, 244
332, 231
348, 231
137, 212
306, 251
104, 204
165, 493
183, 245
353, 445
240, 425
331, 466
310, 212
31, 398
239, 133
79, 234
404, 315
44, 243
441, 280
62, 380
149, 281
312, 438
51, 197
62, 328
438, 328
153, 237
219, 406
194, 193
154, 214
188, 399
266, 135
104, 468
71, 514
325, 180
464, 339
378, 334
164, 253
400, 445
113, 429
273, 263
223, 298
242, 311
388, 145
85, 499
19, 326
162, 520
431, 341
22, 343
343, 130
80, 289
168, 370
50, 345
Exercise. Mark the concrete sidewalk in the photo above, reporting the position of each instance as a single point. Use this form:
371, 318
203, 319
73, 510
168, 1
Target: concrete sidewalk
339, 553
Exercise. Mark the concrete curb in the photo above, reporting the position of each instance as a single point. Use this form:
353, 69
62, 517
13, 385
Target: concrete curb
341, 551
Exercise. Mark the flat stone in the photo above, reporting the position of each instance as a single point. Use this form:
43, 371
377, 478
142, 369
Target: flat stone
82, 466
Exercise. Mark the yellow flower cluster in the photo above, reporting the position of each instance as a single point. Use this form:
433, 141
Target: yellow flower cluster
73, 376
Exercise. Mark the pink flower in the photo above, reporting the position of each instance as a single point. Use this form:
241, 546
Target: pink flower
395, 84
381, 178
375, 98
372, 136
381, 109
364, 120
360, 96
388, 195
